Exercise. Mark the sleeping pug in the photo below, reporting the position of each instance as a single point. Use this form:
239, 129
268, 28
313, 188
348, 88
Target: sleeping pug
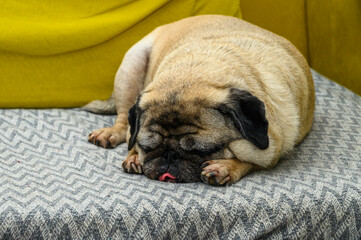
208, 98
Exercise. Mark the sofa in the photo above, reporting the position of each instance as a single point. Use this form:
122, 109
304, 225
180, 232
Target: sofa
56, 185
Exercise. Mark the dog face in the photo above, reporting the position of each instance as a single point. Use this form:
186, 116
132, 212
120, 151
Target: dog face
175, 133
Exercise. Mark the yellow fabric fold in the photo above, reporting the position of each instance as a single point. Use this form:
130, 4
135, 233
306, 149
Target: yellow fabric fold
81, 27
65, 53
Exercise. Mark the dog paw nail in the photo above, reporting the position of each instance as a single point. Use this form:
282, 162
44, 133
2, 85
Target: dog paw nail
97, 142
108, 144
211, 174
226, 179
134, 167
205, 171
212, 181
139, 169
204, 165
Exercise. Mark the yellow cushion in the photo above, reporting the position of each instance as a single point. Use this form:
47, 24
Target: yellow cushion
65, 53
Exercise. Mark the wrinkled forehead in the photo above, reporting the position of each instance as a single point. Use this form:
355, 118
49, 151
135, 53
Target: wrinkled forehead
173, 114
173, 108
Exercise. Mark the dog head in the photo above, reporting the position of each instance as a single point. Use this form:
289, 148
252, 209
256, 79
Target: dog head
174, 133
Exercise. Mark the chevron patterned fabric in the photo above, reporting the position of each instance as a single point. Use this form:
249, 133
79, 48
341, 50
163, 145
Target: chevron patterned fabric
54, 184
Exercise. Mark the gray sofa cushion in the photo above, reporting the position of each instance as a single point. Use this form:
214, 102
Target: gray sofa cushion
54, 184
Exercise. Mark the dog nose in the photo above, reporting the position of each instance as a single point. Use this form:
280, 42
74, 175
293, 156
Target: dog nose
171, 156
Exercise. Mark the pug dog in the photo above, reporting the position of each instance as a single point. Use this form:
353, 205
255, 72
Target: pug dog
208, 98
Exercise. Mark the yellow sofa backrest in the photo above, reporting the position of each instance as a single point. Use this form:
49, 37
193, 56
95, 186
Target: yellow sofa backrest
66, 53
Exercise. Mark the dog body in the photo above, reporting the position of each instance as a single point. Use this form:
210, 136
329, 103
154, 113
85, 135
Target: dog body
215, 98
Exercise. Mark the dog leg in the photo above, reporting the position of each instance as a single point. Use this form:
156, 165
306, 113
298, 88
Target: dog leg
224, 171
128, 84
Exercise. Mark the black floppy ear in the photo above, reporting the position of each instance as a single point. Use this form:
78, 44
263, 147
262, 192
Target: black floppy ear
249, 116
134, 114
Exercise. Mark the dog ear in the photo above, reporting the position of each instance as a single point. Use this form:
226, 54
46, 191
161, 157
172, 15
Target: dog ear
248, 115
134, 114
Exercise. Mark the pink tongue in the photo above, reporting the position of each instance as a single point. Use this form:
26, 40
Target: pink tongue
166, 175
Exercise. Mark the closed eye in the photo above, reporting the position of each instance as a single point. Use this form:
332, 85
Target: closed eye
158, 132
179, 135
156, 128
184, 130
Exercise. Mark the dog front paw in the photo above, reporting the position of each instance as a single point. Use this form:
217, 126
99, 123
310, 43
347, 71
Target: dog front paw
224, 171
215, 173
132, 164
108, 137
